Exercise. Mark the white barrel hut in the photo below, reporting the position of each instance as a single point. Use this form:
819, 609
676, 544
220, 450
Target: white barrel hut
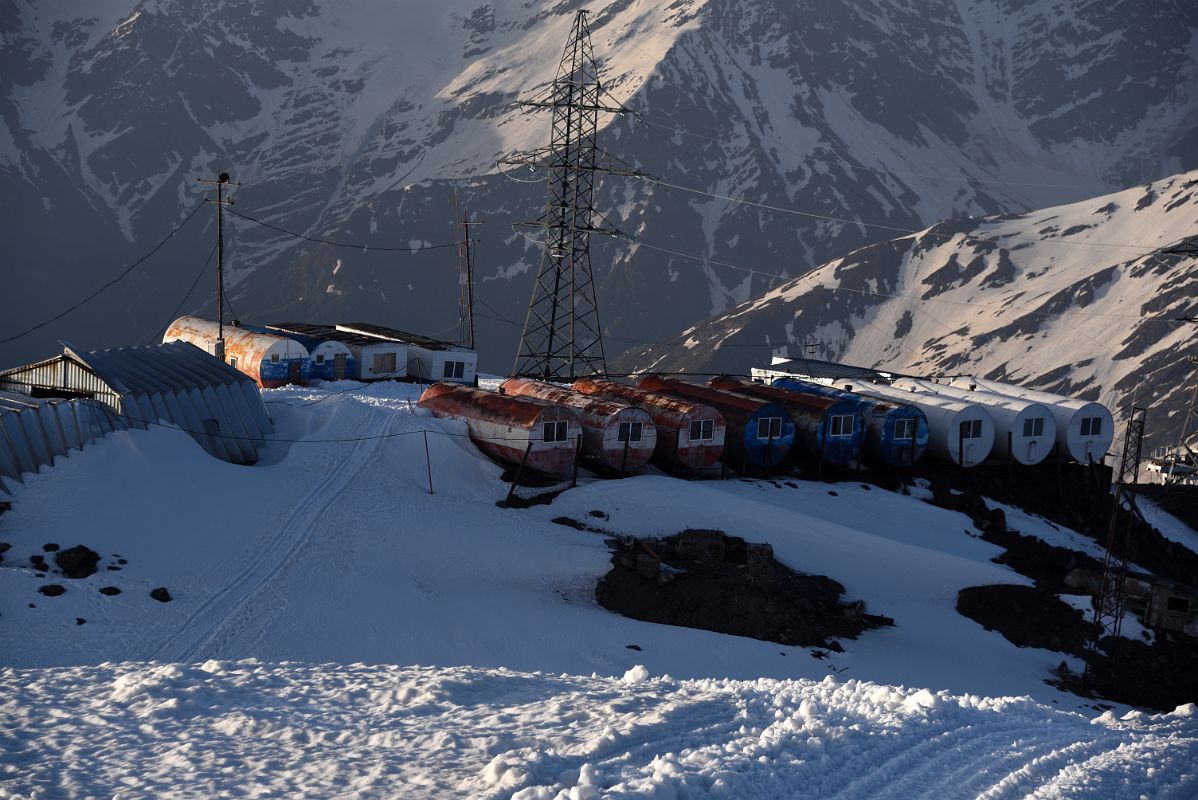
1024, 430
958, 432
1085, 430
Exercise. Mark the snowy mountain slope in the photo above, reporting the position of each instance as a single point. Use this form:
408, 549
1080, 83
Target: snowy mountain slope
1077, 299
358, 123
223, 729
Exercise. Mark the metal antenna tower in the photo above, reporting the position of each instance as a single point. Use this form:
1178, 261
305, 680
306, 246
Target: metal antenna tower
1108, 608
465, 274
562, 337
221, 182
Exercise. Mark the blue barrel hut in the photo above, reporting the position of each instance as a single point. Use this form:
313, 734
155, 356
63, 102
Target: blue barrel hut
759, 433
828, 429
331, 360
896, 434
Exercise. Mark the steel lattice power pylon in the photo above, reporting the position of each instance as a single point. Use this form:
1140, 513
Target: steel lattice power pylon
562, 337
1109, 605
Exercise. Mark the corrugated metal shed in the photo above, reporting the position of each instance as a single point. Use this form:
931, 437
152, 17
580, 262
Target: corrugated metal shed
36, 432
176, 383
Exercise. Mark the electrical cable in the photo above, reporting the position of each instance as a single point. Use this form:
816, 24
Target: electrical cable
317, 240
111, 283
174, 316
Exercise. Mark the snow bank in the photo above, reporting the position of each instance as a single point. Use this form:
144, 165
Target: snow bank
246, 728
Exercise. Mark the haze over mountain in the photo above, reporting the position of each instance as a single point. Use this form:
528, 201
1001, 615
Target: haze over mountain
357, 123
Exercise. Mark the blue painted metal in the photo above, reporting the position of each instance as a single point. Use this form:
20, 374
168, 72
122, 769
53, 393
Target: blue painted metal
315, 346
813, 415
881, 417
745, 442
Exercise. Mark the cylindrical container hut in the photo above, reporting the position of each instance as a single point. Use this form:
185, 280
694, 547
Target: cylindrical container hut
1085, 430
1024, 431
896, 434
270, 360
760, 433
958, 432
689, 435
542, 435
826, 429
618, 436
331, 360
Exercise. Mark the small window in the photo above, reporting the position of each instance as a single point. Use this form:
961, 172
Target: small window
629, 432
971, 429
904, 429
454, 369
1091, 426
702, 429
274, 358
769, 427
557, 431
320, 358
1033, 427
233, 362
383, 362
1178, 605
842, 425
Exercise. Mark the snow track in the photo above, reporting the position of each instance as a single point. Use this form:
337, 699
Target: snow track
233, 729
219, 619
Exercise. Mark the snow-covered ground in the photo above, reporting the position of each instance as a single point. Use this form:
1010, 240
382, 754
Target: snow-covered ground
243, 728
332, 553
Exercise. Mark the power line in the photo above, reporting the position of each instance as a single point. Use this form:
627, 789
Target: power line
317, 240
191, 289
111, 283
1144, 250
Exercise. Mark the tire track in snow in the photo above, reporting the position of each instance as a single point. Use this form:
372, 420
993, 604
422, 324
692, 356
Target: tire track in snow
233, 603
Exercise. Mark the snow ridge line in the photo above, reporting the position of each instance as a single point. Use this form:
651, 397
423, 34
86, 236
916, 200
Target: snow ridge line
218, 611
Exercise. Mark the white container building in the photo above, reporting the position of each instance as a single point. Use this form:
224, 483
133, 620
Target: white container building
1024, 430
958, 432
1085, 430
373, 359
429, 360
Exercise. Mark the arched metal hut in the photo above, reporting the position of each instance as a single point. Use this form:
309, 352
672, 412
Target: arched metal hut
690, 435
896, 434
760, 433
507, 428
617, 435
827, 429
1023, 430
270, 360
1085, 430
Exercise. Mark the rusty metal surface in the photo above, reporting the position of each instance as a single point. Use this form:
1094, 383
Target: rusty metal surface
251, 349
815, 403
672, 418
503, 427
600, 419
727, 402
664, 408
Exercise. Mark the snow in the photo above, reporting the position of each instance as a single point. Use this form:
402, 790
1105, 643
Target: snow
306, 590
1169, 526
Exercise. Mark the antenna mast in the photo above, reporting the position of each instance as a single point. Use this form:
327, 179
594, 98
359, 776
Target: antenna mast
562, 337
221, 182
465, 274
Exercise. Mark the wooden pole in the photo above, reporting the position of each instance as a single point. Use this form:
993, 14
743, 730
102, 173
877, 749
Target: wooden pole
428, 463
519, 471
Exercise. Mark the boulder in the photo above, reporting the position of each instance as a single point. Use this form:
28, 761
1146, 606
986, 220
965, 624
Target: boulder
109, 591
77, 562
52, 589
161, 594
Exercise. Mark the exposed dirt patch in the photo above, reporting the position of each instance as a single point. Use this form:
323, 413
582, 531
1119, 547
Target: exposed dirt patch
711, 581
1027, 616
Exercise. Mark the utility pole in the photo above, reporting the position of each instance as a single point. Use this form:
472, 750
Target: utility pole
221, 182
562, 336
465, 275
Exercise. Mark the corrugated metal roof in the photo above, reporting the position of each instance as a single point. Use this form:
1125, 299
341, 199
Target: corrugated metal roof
176, 382
810, 368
